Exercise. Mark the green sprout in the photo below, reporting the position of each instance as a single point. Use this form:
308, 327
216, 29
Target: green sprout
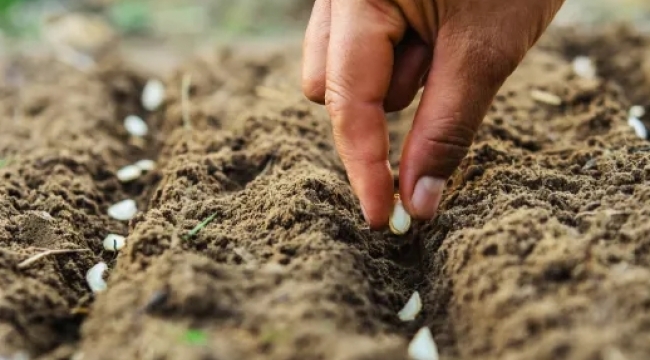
200, 226
195, 337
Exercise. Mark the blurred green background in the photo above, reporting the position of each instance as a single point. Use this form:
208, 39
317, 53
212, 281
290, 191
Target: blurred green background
169, 18
165, 31
207, 18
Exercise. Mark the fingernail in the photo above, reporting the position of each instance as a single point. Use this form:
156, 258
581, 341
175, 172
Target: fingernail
426, 196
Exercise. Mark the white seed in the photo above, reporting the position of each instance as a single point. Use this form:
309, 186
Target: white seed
412, 308
400, 220
146, 165
129, 173
46, 216
637, 111
422, 347
124, 210
136, 126
95, 277
584, 67
114, 242
638, 126
153, 94
545, 97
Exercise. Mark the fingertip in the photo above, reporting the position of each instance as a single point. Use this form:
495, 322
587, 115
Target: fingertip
314, 88
375, 190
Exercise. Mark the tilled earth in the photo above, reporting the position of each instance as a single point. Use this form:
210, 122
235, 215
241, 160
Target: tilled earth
541, 249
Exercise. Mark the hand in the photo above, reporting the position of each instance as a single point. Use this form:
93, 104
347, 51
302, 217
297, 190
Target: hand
365, 57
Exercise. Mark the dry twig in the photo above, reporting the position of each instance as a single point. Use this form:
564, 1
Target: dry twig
33, 259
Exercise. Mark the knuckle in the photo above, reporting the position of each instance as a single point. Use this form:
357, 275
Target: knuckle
336, 97
387, 12
450, 133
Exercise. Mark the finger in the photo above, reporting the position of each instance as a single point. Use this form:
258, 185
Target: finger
466, 72
412, 60
315, 46
359, 67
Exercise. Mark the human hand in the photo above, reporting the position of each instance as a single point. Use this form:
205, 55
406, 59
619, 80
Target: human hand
363, 58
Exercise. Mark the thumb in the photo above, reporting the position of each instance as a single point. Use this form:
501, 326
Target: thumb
467, 71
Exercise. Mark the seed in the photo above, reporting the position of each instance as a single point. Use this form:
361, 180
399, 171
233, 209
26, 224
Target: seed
124, 210
114, 242
136, 126
153, 94
546, 97
637, 111
146, 165
400, 220
584, 67
129, 173
422, 347
638, 126
412, 308
95, 279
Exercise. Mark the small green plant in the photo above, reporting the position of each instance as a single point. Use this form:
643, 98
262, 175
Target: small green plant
195, 337
200, 226
3, 163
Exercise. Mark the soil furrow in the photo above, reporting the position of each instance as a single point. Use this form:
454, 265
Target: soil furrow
285, 270
62, 140
538, 252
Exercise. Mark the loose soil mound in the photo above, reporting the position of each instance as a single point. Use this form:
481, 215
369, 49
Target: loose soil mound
540, 250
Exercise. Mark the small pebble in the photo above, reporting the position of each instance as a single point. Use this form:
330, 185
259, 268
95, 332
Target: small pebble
146, 165
638, 126
46, 216
153, 94
546, 97
114, 242
637, 111
136, 126
124, 210
412, 308
422, 347
129, 173
584, 67
400, 220
95, 277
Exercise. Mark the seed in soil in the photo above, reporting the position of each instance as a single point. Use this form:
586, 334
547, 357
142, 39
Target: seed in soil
637, 111
145, 165
422, 347
95, 277
638, 126
584, 67
124, 210
114, 242
400, 220
153, 94
412, 308
136, 126
129, 173
546, 97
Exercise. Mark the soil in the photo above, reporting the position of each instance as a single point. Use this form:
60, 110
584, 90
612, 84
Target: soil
540, 249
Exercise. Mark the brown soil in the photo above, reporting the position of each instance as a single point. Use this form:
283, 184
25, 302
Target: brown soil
540, 250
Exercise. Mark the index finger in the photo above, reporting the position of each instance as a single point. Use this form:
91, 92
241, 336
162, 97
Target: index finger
359, 68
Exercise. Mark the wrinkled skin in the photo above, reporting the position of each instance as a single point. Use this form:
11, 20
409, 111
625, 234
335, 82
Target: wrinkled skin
363, 58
